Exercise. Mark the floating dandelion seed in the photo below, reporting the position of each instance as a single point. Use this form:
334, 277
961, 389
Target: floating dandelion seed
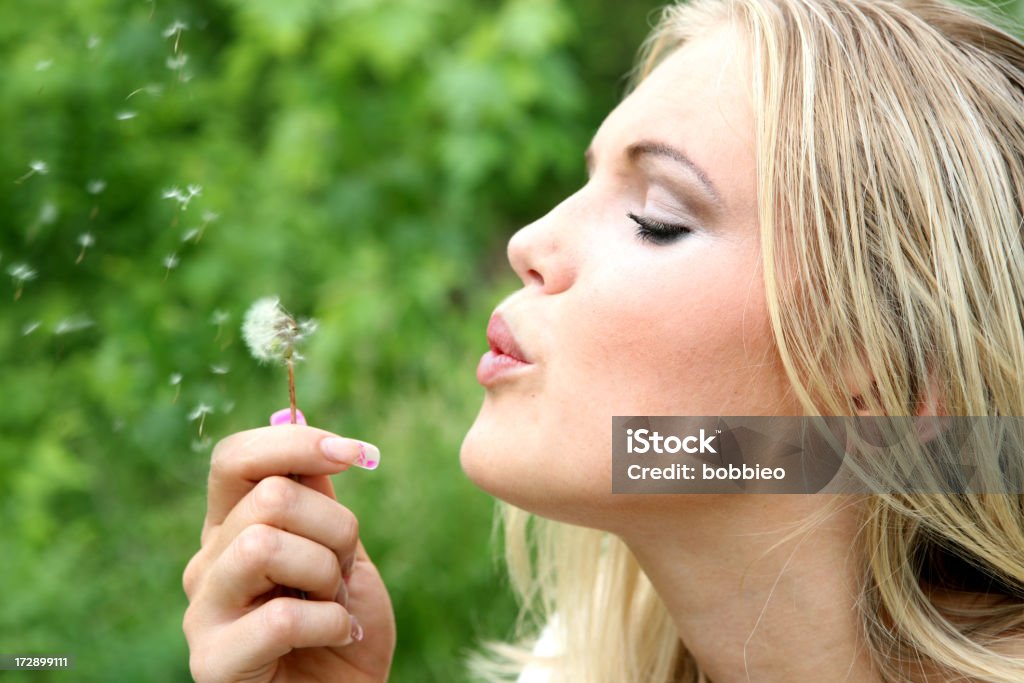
20, 273
44, 64
208, 217
218, 318
93, 42
191, 234
272, 336
176, 383
228, 407
175, 30
126, 115
95, 187
48, 213
30, 327
153, 89
35, 166
183, 197
220, 369
178, 62
200, 445
170, 263
199, 413
72, 324
85, 240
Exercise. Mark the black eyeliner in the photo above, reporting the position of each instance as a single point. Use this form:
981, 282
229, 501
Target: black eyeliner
657, 232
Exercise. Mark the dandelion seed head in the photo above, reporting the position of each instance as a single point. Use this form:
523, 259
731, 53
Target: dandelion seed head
175, 379
39, 167
126, 115
21, 272
171, 261
96, 186
270, 332
30, 327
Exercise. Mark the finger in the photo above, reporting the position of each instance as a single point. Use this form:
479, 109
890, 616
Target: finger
244, 458
263, 557
290, 506
283, 417
272, 631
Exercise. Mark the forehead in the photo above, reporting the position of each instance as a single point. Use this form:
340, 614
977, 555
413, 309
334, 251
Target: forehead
698, 99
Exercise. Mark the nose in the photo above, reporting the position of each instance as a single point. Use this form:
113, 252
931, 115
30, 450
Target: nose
541, 253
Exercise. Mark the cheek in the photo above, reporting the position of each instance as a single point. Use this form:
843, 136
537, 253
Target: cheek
687, 336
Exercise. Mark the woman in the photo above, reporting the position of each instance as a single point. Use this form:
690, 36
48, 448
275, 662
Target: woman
804, 207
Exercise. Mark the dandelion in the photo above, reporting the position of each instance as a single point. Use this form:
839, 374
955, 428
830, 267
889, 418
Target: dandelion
176, 383
170, 263
72, 324
30, 327
35, 166
126, 115
85, 240
20, 273
199, 413
272, 336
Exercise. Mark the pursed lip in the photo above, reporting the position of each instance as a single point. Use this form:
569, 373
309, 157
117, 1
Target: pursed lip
502, 341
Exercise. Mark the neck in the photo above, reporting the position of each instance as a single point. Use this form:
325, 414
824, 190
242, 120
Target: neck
751, 605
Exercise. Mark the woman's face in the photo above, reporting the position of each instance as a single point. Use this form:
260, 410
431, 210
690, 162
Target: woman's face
618, 325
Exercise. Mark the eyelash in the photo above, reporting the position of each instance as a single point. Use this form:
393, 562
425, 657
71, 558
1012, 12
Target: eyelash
656, 232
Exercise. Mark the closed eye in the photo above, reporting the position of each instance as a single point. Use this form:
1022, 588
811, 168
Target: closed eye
653, 231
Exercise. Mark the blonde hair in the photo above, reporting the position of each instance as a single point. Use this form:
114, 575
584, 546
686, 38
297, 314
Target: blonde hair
890, 164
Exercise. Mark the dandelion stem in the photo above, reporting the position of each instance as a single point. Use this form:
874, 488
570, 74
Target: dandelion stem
291, 389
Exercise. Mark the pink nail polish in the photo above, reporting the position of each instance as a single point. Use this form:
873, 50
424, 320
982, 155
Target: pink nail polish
284, 416
369, 456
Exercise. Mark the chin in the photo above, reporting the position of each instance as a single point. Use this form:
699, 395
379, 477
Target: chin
514, 462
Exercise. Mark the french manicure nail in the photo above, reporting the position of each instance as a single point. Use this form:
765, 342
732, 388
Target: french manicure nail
283, 417
351, 452
357, 629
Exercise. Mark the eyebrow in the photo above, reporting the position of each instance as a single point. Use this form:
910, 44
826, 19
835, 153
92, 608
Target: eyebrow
654, 148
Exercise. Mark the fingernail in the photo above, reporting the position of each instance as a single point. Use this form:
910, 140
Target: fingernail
284, 417
346, 569
357, 629
351, 452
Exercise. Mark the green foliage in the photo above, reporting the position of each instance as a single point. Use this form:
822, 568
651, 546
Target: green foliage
367, 161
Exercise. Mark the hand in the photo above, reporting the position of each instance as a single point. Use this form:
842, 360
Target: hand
267, 536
